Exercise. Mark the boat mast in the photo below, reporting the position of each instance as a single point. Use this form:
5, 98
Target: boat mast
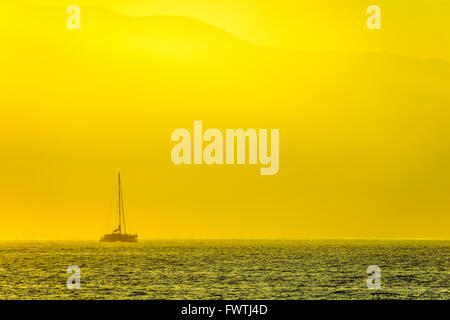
120, 208
123, 212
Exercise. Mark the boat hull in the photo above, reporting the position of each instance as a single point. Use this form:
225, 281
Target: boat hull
119, 237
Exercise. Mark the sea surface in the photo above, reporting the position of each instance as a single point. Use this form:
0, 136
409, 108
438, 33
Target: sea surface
226, 269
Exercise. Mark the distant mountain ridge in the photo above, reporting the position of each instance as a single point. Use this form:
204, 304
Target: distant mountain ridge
189, 30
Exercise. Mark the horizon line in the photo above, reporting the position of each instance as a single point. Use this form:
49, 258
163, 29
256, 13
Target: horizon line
247, 239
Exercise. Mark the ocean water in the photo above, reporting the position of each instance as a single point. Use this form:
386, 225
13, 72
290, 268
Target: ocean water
226, 269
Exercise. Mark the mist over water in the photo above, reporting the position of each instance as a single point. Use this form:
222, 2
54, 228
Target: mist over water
226, 269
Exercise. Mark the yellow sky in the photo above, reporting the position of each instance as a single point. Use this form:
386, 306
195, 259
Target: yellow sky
364, 148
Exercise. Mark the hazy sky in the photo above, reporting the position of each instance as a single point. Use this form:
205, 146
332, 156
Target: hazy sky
364, 147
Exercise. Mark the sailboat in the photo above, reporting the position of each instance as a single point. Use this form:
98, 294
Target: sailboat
120, 234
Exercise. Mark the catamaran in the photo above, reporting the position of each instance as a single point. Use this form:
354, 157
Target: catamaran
120, 234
